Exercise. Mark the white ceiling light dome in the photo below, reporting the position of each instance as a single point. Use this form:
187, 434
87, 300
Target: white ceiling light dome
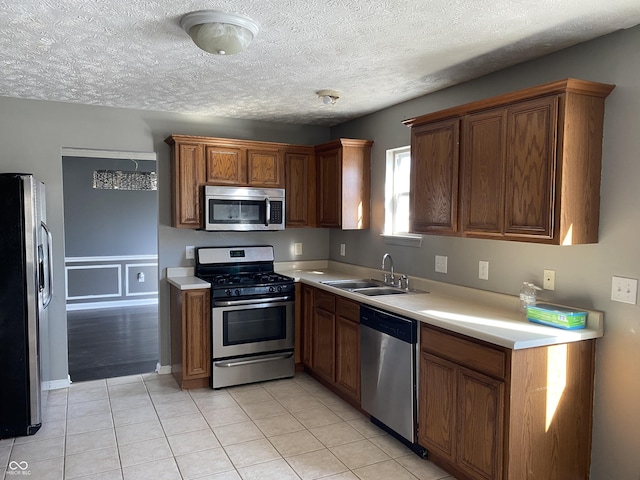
218, 32
328, 97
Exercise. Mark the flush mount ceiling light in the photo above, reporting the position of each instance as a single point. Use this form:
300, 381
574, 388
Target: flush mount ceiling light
218, 32
328, 97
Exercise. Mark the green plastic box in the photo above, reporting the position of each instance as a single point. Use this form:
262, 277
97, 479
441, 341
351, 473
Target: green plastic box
555, 316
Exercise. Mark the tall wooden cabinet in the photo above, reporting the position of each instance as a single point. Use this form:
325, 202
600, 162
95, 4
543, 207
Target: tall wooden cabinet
344, 177
522, 166
300, 186
487, 412
190, 336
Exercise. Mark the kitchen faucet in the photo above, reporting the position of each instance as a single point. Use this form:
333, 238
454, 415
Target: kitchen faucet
392, 279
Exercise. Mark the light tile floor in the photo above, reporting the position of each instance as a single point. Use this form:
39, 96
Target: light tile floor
144, 427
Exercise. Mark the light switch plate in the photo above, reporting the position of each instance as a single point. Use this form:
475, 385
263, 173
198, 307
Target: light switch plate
343, 249
190, 252
549, 280
297, 248
441, 264
483, 270
624, 290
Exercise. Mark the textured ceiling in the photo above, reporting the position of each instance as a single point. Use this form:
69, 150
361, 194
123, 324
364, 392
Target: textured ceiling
133, 53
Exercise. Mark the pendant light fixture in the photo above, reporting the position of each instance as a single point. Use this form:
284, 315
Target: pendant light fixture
218, 32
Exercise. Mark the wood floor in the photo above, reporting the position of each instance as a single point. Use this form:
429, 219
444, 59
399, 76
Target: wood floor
112, 342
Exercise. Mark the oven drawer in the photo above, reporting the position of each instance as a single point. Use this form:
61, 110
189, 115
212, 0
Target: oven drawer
257, 368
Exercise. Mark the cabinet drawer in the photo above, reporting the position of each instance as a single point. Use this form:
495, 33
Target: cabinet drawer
348, 309
475, 356
324, 300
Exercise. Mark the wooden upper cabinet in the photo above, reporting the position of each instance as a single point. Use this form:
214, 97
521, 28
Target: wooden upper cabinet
300, 187
226, 165
344, 177
200, 161
188, 174
433, 198
265, 168
529, 170
329, 188
483, 172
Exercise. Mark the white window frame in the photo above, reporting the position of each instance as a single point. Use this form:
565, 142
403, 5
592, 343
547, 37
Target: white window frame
391, 202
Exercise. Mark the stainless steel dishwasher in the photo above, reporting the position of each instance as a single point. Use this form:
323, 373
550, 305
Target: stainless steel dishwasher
388, 373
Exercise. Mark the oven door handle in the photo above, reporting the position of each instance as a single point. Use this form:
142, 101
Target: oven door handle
252, 361
231, 303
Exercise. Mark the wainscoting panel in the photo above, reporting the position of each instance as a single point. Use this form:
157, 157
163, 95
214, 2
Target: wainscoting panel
111, 281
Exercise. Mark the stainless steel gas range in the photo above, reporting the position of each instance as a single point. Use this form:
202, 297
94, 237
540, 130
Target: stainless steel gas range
252, 314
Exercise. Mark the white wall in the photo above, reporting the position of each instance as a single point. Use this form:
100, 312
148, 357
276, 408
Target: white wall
583, 273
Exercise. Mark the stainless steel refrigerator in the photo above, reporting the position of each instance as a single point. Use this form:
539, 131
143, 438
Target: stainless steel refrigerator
25, 293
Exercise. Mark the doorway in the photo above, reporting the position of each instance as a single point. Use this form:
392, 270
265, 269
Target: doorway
111, 262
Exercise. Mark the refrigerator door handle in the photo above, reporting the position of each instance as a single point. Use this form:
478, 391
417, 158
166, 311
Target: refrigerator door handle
49, 296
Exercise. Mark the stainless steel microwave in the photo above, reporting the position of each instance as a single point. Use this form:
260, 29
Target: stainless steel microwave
243, 209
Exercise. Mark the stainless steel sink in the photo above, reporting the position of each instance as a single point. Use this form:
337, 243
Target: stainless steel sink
368, 286
355, 284
372, 291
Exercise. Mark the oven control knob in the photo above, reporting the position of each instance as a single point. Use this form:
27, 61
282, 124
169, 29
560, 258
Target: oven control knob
237, 292
227, 292
271, 289
280, 288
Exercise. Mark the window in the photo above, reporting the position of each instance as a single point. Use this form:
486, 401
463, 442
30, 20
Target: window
396, 219
396, 199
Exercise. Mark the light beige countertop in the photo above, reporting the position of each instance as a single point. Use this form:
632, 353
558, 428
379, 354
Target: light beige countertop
182, 277
487, 316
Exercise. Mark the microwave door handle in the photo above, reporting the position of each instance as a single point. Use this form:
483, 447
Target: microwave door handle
267, 215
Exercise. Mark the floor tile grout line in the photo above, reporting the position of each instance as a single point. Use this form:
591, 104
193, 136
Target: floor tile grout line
115, 433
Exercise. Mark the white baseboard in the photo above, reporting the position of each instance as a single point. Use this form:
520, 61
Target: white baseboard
116, 304
163, 369
57, 384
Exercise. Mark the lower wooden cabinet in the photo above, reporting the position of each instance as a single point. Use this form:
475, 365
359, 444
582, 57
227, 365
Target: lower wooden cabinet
190, 336
487, 412
324, 340
348, 348
307, 322
331, 339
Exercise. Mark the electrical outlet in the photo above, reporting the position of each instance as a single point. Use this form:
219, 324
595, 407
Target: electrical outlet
549, 281
483, 270
624, 290
190, 252
441, 264
343, 249
297, 248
